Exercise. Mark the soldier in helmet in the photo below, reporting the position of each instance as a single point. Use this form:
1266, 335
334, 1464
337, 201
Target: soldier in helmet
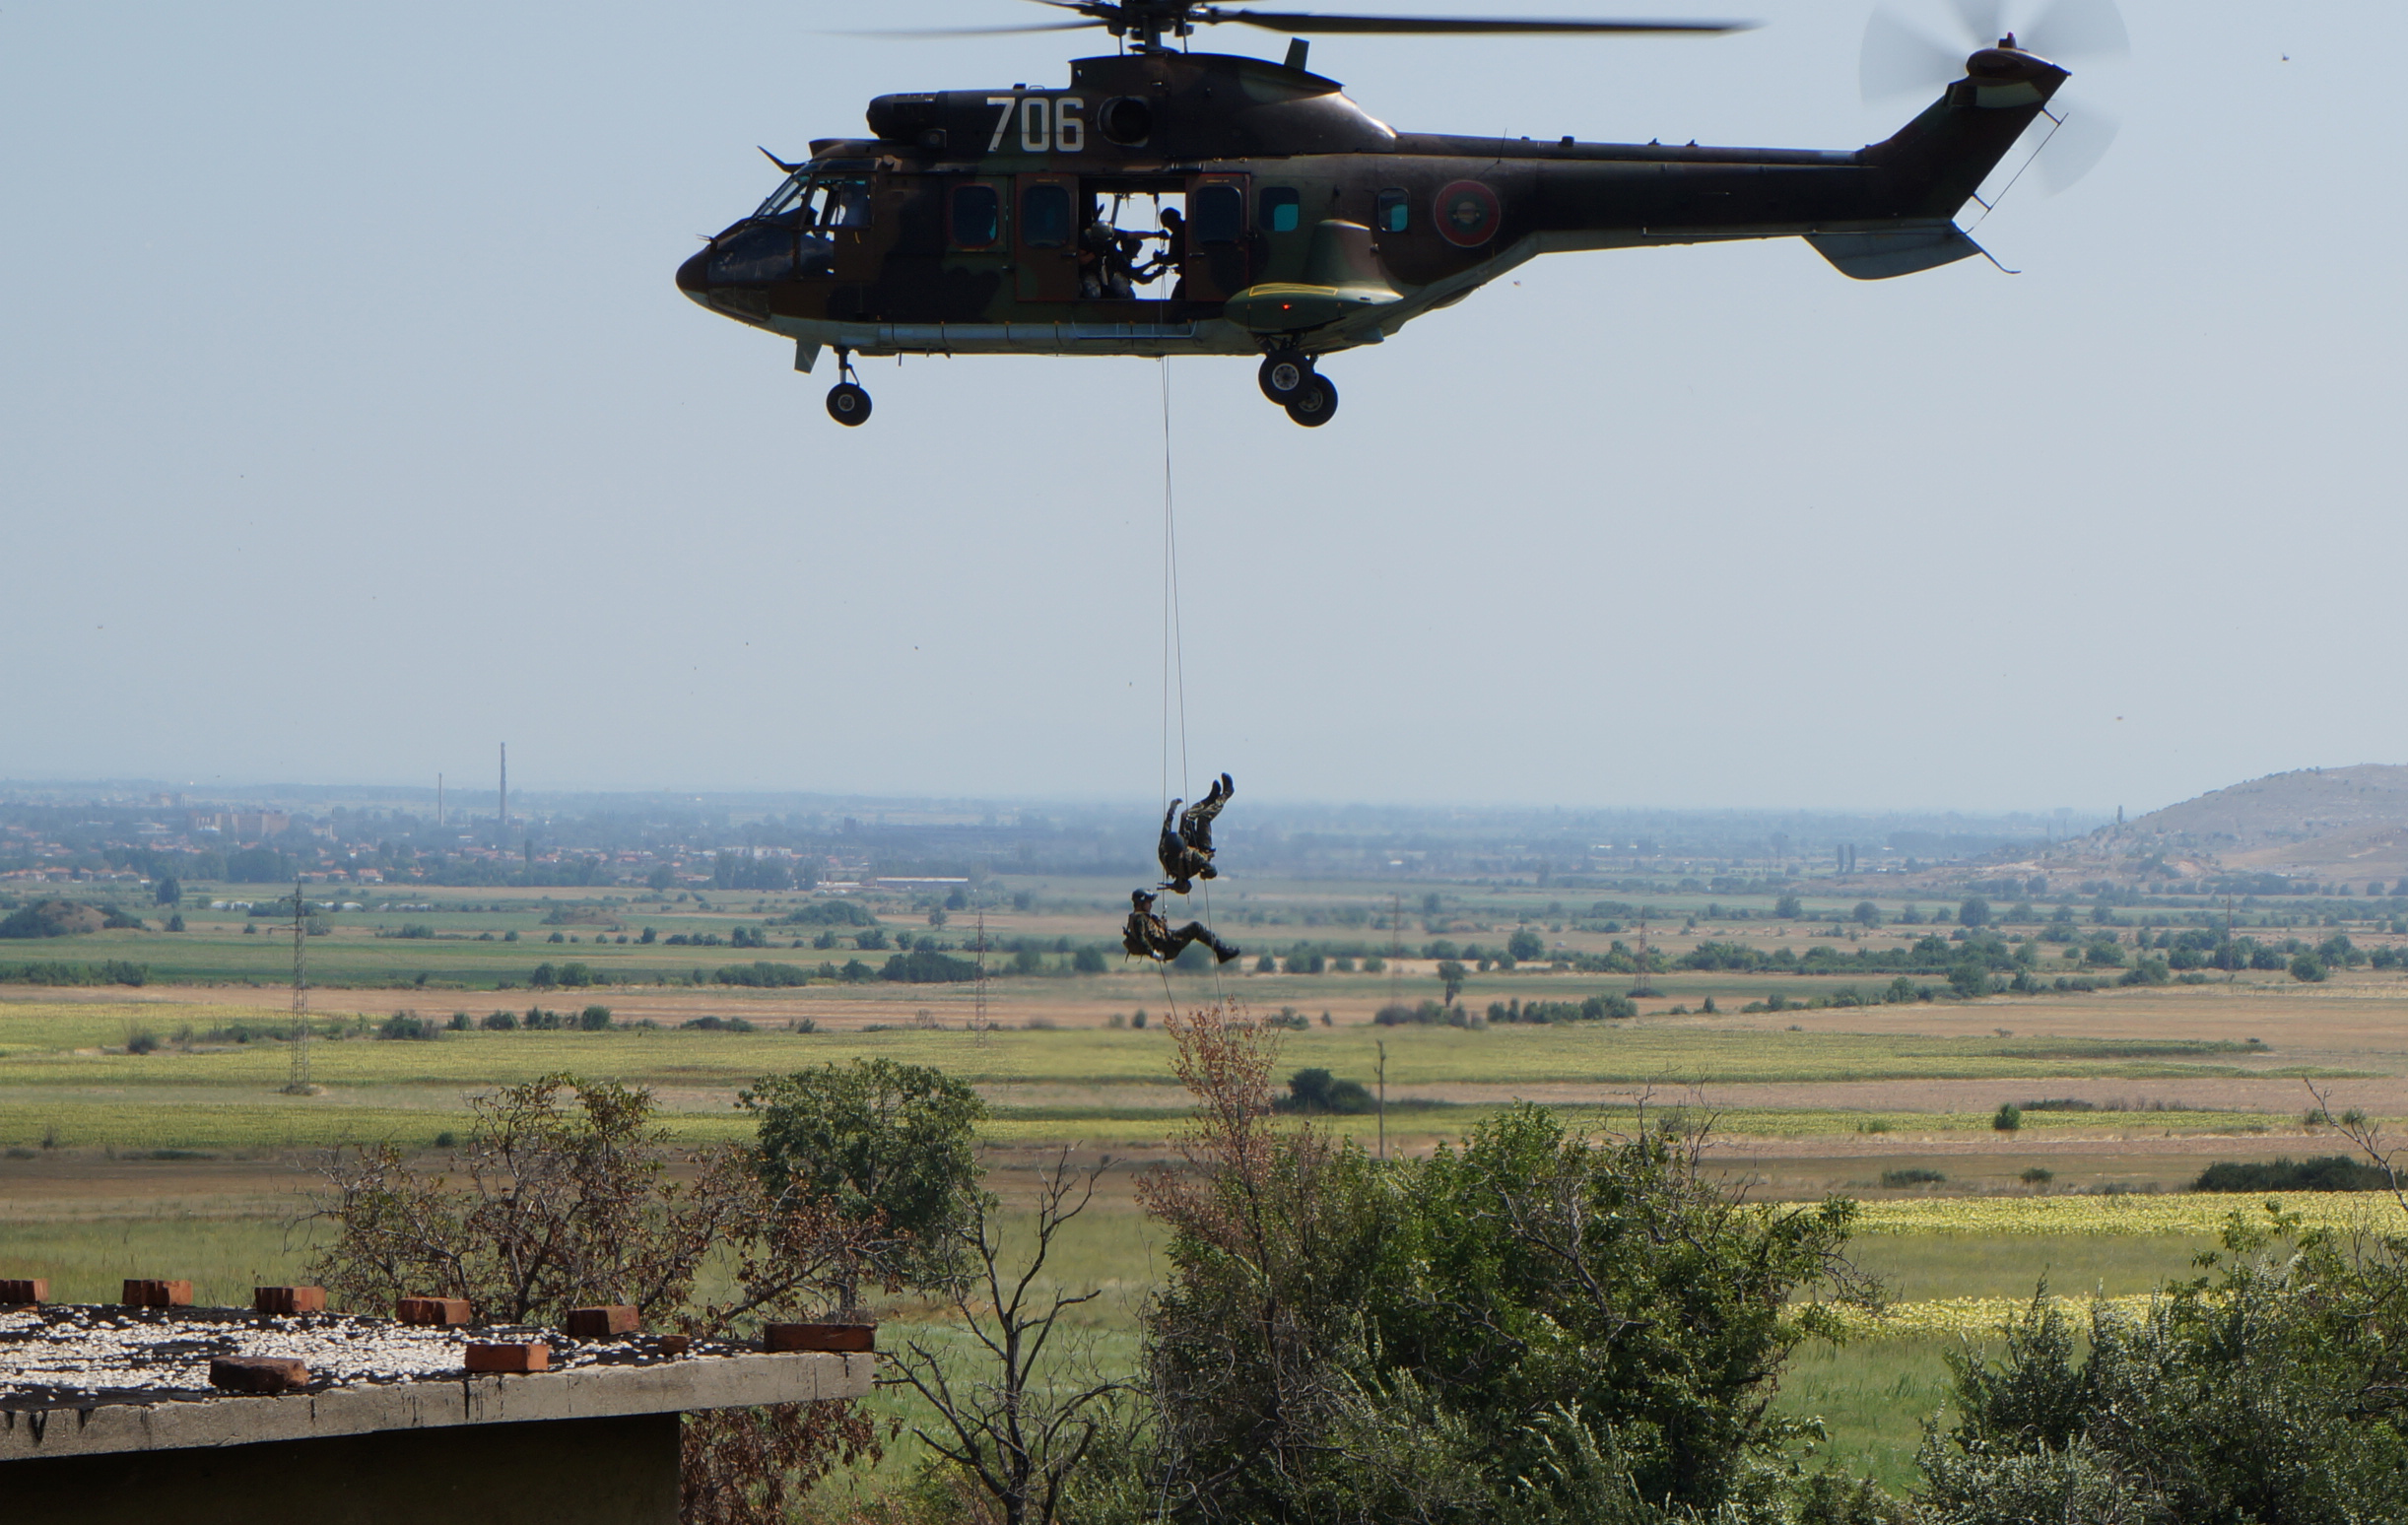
1185, 851
1149, 936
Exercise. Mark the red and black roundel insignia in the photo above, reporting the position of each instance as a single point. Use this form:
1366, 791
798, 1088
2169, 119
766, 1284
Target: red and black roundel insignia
1468, 214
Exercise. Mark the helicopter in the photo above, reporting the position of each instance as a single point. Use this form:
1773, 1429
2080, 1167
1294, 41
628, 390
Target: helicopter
974, 221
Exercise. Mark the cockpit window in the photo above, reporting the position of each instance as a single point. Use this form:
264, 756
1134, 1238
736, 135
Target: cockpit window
786, 195
822, 201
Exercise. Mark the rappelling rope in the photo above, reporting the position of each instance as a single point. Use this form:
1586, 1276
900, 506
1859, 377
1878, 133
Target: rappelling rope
1174, 661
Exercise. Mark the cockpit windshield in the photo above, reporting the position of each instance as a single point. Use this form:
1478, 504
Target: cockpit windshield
822, 200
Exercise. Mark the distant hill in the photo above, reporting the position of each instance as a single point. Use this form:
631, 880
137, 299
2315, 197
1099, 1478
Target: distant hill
2342, 823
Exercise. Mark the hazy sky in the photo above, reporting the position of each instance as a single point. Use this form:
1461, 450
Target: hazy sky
352, 424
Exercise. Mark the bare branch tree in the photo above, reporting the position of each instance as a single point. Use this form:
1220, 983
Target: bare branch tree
1012, 1428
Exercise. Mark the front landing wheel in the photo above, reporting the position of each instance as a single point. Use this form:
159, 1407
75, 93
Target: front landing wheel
1315, 402
849, 404
1284, 373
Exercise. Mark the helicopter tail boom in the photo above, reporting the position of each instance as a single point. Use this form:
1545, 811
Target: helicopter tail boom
1936, 162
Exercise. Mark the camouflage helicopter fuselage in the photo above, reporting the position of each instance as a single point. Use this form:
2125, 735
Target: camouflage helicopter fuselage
1310, 225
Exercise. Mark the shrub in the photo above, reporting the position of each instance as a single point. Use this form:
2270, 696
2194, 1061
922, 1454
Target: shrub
2329, 1172
2008, 1118
409, 1027
1088, 961
715, 1025
1315, 1091
1914, 1175
2264, 1391
594, 1018
499, 1021
141, 1040
2039, 1175
2309, 969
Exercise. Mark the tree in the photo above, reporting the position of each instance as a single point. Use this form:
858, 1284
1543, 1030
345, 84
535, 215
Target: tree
570, 1201
883, 1143
2308, 969
1788, 908
2010, 1118
1867, 915
167, 891
1019, 1431
1533, 1327
1525, 945
1088, 961
1451, 978
1975, 912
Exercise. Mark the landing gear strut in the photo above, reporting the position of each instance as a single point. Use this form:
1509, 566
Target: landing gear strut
1288, 379
847, 403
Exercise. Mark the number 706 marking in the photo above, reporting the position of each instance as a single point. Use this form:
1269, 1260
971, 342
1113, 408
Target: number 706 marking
1048, 123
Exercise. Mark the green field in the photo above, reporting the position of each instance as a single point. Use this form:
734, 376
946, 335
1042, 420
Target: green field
189, 1159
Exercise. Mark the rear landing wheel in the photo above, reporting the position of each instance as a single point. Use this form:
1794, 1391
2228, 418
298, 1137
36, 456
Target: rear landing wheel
1284, 373
849, 404
1315, 402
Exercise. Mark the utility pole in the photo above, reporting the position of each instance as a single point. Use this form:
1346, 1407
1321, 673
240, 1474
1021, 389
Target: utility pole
298, 1083
504, 818
978, 1022
1384, 1099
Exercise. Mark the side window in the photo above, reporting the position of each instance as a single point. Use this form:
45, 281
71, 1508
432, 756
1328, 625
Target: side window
847, 205
1044, 217
1216, 214
977, 214
1282, 209
1395, 211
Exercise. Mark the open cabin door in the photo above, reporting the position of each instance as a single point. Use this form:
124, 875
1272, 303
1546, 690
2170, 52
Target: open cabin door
1046, 237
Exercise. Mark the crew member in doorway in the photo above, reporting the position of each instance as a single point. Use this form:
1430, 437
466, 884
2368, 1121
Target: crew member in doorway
1174, 255
1185, 849
1149, 936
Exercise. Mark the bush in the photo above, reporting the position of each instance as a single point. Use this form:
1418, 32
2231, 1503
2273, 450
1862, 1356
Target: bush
927, 966
1911, 1176
2330, 1172
409, 1027
761, 974
141, 1040
594, 1018
1088, 961
2309, 969
715, 1025
1314, 1092
829, 913
2264, 1391
2008, 1118
499, 1021
1455, 1338
2039, 1175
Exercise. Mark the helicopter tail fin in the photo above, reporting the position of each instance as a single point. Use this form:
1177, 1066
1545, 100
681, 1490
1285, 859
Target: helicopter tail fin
1937, 162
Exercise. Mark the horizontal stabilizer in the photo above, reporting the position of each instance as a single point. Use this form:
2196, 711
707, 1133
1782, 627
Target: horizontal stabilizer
1878, 255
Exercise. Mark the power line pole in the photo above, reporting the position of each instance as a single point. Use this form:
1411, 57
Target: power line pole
978, 1022
298, 1083
1384, 1099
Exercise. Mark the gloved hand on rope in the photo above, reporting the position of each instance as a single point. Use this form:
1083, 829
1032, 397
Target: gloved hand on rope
1149, 936
1186, 848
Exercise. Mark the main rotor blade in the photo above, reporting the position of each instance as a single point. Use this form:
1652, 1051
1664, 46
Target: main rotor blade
971, 31
1899, 60
1299, 21
2075, 148
1981, 21
2080, 28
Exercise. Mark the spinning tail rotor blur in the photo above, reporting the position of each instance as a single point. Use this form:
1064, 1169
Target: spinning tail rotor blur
1902, 58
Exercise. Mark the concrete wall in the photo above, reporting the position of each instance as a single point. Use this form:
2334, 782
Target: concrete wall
618, 1470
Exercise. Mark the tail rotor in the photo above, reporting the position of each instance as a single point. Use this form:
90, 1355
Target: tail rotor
1900, 58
